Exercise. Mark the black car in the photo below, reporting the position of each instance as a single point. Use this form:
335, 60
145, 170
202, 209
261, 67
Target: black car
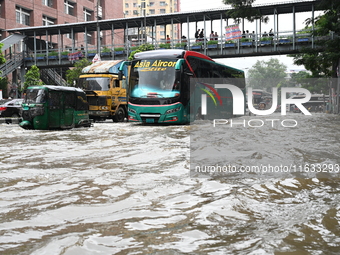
11, 108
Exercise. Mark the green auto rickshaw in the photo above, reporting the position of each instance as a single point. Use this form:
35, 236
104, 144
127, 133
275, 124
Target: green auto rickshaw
54, 107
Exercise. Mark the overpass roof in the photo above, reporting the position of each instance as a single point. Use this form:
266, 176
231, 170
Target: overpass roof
163, 19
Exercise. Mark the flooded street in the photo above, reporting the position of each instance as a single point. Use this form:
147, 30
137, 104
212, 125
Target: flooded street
125, 188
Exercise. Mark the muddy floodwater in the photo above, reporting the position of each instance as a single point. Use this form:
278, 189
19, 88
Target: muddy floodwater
125, 188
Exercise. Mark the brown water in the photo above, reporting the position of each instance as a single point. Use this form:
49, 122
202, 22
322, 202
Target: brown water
121, 188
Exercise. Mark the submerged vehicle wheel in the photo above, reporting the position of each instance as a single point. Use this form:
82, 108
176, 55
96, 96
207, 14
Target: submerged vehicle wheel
120, 115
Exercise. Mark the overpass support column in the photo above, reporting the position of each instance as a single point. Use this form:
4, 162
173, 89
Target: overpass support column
155, 37
113, 41
312, 26
276, 21
205, 36
256, 35
221, 35
172, 33
127, 42
294, 31
35, 48
188, 35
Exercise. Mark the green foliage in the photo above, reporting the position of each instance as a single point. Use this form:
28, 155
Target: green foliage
3, 80
264, 39
53, 53
245, 40
164, 45
212, 42
143, 47
313, 85
74, 73
2, 58
182, 44
324, 63
106, 49
32, 77
119, 49
243, 9
267, 74
4, 85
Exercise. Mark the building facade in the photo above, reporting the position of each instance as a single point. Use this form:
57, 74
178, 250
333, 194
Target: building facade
138, 8
35, 13
23, 13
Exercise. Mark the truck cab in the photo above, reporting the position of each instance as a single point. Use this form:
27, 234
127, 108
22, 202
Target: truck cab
106, 94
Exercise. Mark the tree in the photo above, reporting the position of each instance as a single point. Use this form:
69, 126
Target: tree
4, 85
143, 47
306, 80
3, 80
267, 74
2, 58
73, 74
244, 9
32, 77
323, 63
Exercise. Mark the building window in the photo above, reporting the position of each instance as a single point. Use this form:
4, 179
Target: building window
69, 7
126, 5
89, 38
161, 11
47, 21
135, 5
48, 3
152, 11
135, 12
22, 16
126, 13
87, 15
151, 4
162, 3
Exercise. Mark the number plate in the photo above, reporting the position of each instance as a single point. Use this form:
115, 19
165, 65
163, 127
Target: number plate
150, 121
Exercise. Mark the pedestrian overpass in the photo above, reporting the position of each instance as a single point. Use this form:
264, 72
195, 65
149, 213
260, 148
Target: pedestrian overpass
280, 42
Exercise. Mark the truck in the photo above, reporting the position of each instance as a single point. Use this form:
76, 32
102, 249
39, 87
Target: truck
105, 93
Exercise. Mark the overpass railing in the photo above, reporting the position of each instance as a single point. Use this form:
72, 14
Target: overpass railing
256, 43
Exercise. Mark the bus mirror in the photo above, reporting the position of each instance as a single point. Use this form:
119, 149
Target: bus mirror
120, 75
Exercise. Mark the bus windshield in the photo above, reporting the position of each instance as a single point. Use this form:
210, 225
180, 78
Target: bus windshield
153, 78
95, 83
35, 96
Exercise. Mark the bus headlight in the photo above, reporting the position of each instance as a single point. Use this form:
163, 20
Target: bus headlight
173, 110
131, 110
105, 108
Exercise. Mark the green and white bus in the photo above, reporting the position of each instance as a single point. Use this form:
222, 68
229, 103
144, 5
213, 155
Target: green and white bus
165, 86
